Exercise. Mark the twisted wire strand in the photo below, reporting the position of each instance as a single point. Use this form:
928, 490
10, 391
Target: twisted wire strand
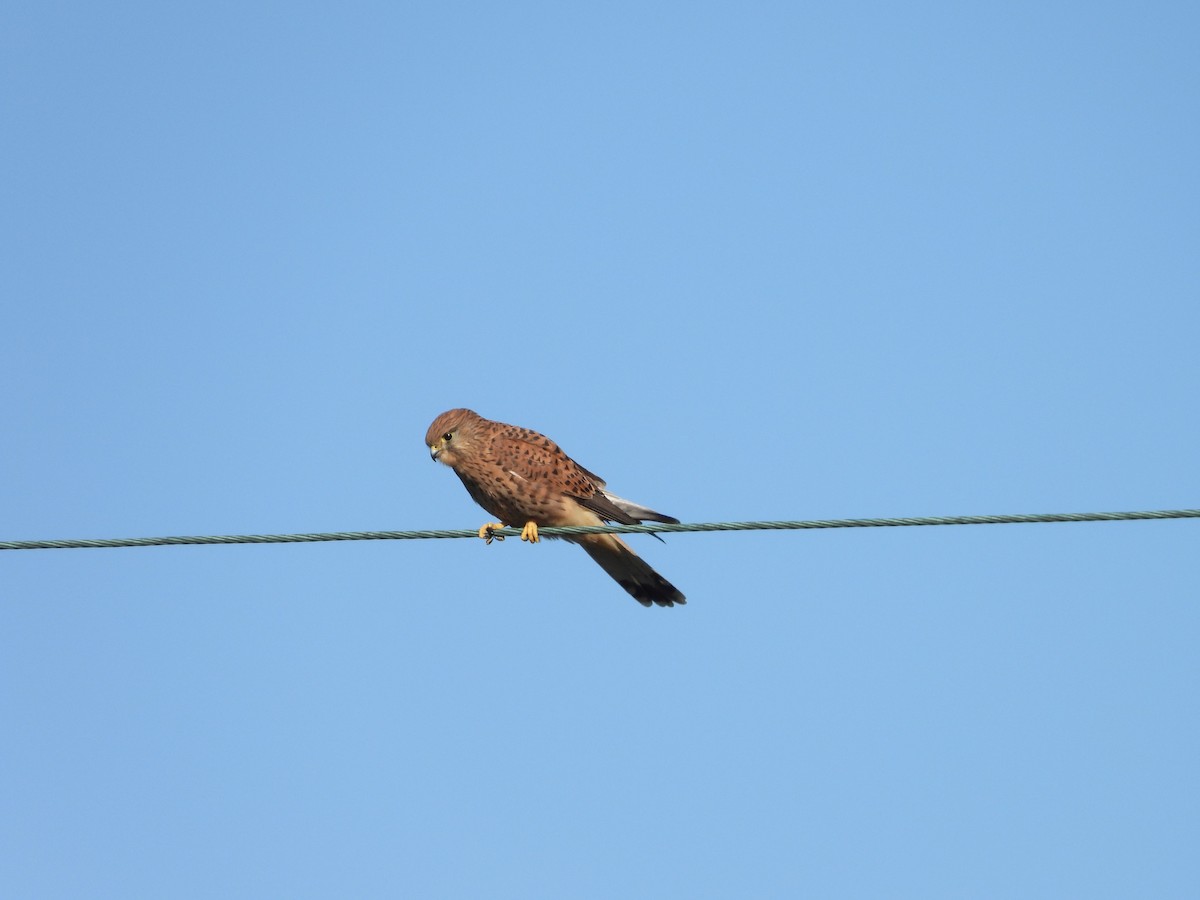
652, 528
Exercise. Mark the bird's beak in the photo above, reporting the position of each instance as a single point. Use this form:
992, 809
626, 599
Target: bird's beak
435, 450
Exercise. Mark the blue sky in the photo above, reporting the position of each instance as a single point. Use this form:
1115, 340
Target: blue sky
763, 261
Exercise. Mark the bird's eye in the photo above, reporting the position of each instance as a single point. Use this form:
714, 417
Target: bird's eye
447, 435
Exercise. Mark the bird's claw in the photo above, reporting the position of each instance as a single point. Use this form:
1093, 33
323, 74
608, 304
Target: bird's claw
530, 532
487, 531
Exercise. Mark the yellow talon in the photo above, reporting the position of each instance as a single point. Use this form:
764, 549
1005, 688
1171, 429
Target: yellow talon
529, 532
486, 531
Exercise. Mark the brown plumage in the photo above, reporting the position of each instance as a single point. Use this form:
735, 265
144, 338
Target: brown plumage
524, 479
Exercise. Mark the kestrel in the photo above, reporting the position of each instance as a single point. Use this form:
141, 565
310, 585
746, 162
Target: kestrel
524, 479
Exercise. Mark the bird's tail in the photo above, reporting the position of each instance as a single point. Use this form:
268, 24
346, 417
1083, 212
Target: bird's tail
629, 570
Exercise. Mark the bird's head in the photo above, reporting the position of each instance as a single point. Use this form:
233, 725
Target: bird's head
452, 435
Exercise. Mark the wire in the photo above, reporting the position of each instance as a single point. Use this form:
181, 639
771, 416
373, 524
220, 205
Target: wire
654, 528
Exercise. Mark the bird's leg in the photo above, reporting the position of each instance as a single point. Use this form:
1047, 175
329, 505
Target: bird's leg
487, 531
529, 532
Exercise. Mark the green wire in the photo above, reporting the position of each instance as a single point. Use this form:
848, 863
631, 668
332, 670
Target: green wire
654, 528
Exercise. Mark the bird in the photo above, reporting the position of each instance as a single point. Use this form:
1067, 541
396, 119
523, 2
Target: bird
525, 480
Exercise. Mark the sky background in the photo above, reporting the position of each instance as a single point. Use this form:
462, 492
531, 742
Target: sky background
752, 261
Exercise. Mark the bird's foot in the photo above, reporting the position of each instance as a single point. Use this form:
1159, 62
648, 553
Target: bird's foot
530, 532
487, 531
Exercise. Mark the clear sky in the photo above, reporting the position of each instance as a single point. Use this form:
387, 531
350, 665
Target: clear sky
745, 261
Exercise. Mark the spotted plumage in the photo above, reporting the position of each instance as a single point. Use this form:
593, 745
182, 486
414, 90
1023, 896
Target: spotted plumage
524, 479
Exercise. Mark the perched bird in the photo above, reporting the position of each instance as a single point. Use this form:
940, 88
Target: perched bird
524, 480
